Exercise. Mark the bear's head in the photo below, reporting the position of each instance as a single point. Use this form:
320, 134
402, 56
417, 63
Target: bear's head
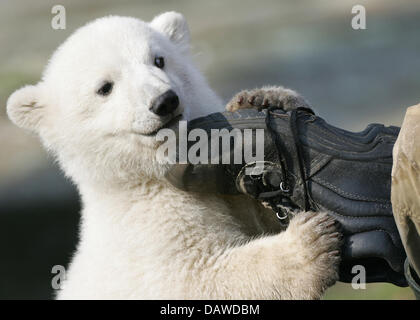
106, 92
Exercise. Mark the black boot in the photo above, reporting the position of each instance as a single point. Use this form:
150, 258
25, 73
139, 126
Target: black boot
311, 165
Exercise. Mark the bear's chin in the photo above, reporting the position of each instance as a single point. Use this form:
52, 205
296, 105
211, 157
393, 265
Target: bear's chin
171, 123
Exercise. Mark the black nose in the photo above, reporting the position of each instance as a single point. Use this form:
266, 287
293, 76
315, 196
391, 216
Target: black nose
165, 103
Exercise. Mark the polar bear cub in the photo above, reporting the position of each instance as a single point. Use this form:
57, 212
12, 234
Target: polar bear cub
103, 96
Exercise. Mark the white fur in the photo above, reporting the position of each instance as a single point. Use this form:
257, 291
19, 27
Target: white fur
140, 237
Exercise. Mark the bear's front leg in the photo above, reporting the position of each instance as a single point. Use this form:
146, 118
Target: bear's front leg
274, 96
299, 263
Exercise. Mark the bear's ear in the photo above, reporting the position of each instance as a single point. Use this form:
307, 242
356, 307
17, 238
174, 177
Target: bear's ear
174, 26
24, 107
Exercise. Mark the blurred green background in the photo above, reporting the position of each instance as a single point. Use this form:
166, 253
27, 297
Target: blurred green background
351, 77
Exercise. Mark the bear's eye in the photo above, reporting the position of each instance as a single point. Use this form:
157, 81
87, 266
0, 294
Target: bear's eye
105, 89
159, 62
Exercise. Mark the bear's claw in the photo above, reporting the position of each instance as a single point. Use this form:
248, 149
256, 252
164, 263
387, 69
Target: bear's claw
267, 97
